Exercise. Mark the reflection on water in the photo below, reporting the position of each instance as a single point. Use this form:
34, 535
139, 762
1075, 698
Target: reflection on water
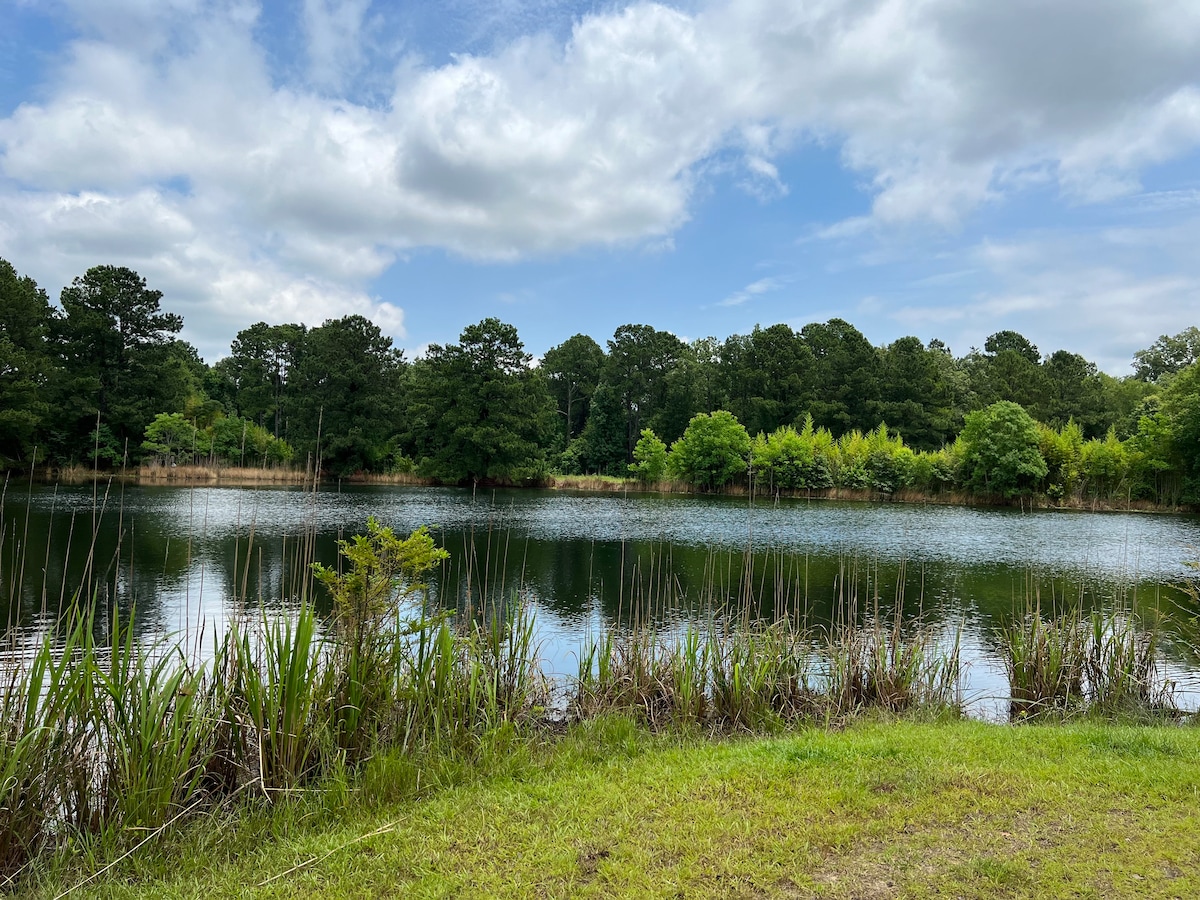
195, 557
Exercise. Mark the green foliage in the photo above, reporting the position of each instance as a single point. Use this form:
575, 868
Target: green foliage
649, 457
343, 393
714, 449
601, 448
383, 571
485, 414
121, 352
1000, 452
1167, 355
572, 371
639, 360
28, 371
1104, 466
170, 437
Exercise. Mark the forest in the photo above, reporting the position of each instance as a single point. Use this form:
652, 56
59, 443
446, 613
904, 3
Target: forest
103, 379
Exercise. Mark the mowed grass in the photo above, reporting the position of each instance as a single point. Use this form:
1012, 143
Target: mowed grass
877, 810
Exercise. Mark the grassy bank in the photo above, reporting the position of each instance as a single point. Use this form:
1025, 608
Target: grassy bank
874, 810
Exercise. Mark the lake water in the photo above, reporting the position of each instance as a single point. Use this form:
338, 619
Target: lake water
192, 558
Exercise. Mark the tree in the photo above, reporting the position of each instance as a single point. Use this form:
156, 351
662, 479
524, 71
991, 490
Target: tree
28, 370
1074, 390
1167, 355
766, 375
344, 394
916, 397
1010, 340
487, 415
572, 371
170, 436
601, 448
256, 371
1000, 452
649, 457
714, 449
843, 393
121, 350
639, 360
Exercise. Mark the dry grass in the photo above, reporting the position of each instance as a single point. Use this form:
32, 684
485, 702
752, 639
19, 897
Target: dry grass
211, 474
400, 478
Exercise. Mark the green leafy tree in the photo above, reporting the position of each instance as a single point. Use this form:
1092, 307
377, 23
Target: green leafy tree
572, 371
601, 447
649, 457
171, 437
714, 449
344, 394
766, 375
121, 351
1168, 355
254, 377
1181, 406
691, 387
29, 373
1154, 463
639, 360
1012, 341
486, 413
916, 395
843, 392
1104, 465
1000, 453
1074, 391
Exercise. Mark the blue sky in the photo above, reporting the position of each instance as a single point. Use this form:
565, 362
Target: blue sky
940, 168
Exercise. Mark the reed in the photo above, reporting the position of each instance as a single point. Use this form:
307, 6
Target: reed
893, 666
1104, 664
1044, 660
759, 676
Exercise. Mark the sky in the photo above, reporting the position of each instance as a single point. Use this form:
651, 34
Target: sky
943, 168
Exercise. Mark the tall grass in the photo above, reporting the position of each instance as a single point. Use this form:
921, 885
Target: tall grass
1104, 663
760, 675
105, 737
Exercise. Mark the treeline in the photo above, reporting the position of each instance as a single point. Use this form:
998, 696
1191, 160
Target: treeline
104, 377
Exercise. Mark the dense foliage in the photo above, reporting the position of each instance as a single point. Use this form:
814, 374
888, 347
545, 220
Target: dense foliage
103, 379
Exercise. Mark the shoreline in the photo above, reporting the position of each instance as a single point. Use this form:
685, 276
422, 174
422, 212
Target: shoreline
234, 476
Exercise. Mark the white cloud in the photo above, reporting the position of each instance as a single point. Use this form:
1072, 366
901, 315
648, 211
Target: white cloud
1081, 291
334, 30
762, 286
545, 146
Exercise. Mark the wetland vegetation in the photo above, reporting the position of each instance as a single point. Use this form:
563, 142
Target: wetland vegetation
297, 723
102, 381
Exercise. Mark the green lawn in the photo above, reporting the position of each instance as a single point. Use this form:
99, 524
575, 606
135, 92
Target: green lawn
873, 811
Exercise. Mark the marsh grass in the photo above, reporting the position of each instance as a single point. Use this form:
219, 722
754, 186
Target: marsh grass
1104, 663
762, 676
105, 739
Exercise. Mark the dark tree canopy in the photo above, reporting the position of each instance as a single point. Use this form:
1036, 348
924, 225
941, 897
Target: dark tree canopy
345, 384
572, 371
485, 413
121, 350
28, 369
1011, 340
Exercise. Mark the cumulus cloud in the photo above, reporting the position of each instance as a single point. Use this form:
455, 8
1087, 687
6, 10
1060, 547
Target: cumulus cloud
1085, 290
166, 125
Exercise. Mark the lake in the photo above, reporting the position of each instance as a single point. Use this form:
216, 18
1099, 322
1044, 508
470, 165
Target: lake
192, 558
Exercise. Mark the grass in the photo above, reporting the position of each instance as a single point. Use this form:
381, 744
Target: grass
298, 726
880, 809
1104, 663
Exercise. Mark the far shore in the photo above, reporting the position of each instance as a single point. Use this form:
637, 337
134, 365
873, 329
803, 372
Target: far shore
248, 476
